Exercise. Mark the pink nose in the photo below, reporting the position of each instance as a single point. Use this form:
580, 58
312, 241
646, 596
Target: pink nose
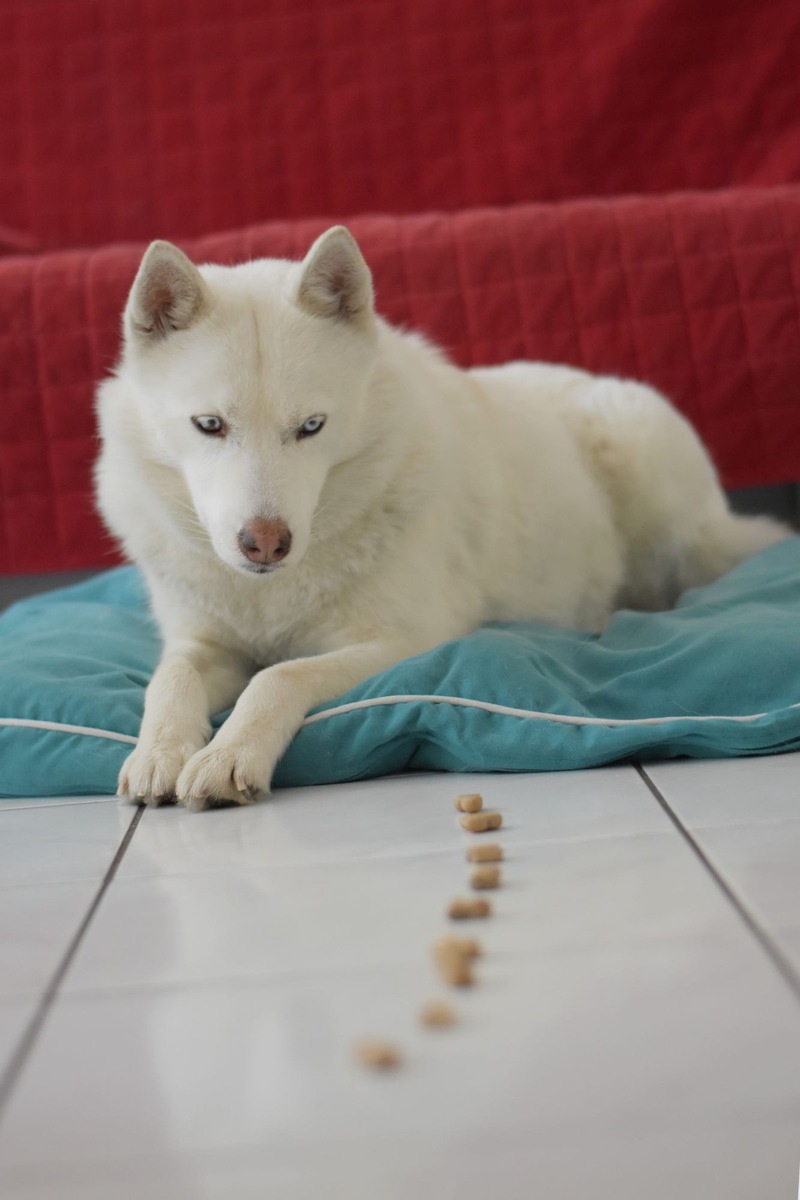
264, 541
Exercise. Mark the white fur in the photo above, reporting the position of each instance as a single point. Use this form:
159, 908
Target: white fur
434, 499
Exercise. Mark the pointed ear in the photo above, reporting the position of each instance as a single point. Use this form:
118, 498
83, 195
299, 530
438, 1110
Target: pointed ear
168, 293
336, 281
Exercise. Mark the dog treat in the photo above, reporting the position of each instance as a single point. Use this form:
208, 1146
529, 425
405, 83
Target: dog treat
462, 909
479, 822
455, 970
380, 1056
485, 852
452, 963
437, 1014
470, 802
470, 947
485, 877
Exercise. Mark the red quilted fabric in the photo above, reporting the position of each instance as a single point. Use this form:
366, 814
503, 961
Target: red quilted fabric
696, 293
132, 119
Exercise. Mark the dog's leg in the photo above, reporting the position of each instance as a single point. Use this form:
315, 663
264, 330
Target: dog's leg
241, 759
192, 680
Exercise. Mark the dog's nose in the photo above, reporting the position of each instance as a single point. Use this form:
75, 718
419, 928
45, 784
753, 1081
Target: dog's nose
264, 541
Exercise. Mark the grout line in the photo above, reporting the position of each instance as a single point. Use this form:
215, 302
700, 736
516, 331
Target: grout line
55, 802
770, 947
34, 1027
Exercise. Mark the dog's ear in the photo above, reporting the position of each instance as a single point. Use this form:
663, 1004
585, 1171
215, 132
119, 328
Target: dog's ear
168, 293
336, 281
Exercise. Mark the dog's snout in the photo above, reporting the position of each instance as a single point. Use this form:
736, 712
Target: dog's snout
264, 541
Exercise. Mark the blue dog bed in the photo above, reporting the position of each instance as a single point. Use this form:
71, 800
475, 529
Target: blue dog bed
718, 676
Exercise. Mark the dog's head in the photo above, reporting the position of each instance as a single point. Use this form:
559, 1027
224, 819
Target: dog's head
252, 382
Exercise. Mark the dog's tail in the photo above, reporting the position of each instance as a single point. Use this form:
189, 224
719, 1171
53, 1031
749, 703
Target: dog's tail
723, 539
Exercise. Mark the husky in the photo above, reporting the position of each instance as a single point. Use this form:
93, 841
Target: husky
313, 495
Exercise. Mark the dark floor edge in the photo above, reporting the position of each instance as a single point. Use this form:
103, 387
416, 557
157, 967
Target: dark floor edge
773, 951
26, 1043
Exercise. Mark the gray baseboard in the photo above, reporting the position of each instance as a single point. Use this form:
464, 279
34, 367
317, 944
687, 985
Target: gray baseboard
16, 587
777, 500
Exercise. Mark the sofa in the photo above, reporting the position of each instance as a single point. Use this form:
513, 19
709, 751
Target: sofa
609, 183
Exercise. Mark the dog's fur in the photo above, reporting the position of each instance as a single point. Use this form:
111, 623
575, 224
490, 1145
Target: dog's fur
432, 500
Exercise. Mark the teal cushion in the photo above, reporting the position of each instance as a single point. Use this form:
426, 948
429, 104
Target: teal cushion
718, 676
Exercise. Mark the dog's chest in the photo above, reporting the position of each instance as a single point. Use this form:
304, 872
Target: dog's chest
272, 618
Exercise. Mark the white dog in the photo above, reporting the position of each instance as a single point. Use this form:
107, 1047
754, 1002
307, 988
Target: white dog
313, 495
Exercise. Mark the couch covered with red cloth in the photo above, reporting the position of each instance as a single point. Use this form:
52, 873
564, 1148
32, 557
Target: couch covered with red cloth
610, 183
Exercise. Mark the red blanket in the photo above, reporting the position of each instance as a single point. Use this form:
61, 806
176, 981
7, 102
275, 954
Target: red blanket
132, 119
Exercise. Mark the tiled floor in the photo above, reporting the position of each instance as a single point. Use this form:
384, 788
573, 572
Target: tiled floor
179, 994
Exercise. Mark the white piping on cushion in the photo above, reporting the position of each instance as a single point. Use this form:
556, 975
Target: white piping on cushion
58, 727
379, 701
525, 713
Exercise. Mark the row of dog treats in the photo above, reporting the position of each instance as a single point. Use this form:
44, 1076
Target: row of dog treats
453, 956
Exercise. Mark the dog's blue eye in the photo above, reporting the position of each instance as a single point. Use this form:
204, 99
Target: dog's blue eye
213, 426
310, 427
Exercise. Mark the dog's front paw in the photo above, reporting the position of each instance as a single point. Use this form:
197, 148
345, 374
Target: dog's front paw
222, 774
150, 774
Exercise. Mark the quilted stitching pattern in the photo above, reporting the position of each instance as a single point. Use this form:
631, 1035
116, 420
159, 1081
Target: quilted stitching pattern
698, 294
131, 119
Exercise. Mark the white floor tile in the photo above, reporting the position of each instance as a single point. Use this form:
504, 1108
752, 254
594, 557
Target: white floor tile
730, 791
52, 862
717, 1162
722, 1160
614, 1050
745, 815
14, 1017
399, 815
762, 864
556, 896
59, 844
788, 940
36, 927
627, 1036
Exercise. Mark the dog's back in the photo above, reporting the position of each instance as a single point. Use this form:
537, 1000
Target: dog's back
674, 526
